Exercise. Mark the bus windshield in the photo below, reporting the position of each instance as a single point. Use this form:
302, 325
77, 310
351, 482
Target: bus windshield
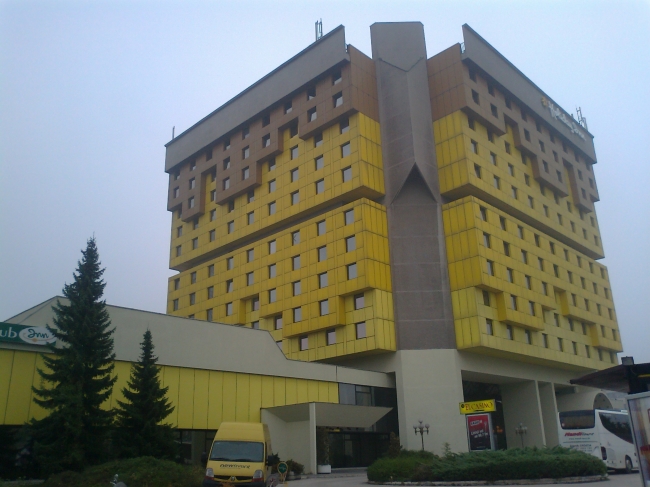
578, 420
237, 451
617, 424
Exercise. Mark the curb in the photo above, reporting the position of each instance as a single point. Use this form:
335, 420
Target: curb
563, 480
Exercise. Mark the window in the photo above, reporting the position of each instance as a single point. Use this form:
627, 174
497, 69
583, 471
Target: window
490, 89
508, 103
272, 247
193, 166
345, 149
541, 146
190, 202
527, 135
179, 231
352, 271
255, 325
319, 162
490, 267
470, 123
255, 303
295, 237
361, 329
320, 228
559, 218
304, 343
497, 182
271, 164
359, 301
531, 202
208, 314
546, 211
297, 314
295, 262
474, 146
311, 114
245, 173
331, 337
337, 100
320, 186
177, 176
472, 75
213, 235
324, 307
570, 324
348, 217
250, 217
514, 192
231, 206
507, 145
475, 97
510, 274
347, 174
277, 322
477, 170
213, 195
527, 179
195, 243
486, 240
193, 278
294, 152
272, 271
272, 208
266, 119
177, 192
486, 298
273, 296
483, 212
527, 336
245, 132
293, 130
322, 280
511, 170
175, 305
322, 253
295, 288
192, 183
560, 344
311, 93
230, 263
295, 197
226, 163
177, 284
213, 215
587, 351
556, 270
231, 226
250, 278
350, 243
520, 231
344, 125
531, 308
336, 78
228, 309
288, 108
226, 183
503, 223
178, 251
245, 152
545, 340
570, 276
513, 302
318, 139
494, 111
529, 284
509, 332
489, 326
490, 136
493, 158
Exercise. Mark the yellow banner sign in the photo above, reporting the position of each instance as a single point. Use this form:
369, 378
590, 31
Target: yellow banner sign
486, 406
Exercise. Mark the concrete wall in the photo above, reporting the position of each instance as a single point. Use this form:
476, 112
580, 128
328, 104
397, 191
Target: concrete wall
293, 440
521, 405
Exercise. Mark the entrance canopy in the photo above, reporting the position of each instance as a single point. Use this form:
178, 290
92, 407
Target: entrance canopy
332, 415
631, 379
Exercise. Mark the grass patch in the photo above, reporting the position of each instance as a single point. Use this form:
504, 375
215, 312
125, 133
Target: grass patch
134, 472
514, 464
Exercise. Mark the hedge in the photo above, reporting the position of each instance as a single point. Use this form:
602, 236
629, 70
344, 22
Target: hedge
134, 472
515, 464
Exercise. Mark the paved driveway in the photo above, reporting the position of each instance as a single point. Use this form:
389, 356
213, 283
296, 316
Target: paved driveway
358, 479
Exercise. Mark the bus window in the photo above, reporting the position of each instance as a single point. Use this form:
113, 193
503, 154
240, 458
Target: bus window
617, 424
578, 420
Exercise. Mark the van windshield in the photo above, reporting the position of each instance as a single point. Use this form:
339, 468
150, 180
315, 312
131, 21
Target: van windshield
237, 451
577, 420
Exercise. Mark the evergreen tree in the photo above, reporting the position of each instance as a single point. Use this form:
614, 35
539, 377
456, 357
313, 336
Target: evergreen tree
139, 419
77, 378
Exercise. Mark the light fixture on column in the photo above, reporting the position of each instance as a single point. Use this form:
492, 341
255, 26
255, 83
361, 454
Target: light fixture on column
421, 429
521, 430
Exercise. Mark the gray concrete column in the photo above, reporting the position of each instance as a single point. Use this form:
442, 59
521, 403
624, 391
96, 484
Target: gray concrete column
549, 412
521, 404
312, 438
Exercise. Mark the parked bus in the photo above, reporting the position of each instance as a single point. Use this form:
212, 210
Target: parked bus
606, 434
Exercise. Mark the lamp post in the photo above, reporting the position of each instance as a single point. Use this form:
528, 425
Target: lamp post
421, 429
521, 430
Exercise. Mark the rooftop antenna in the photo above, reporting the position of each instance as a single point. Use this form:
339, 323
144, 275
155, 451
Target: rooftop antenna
319, 29
581, 120
173, 129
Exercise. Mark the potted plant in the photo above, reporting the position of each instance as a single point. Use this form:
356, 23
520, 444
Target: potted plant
323, 451
295, 470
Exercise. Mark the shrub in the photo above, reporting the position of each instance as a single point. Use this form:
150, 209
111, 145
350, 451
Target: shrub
515, 464
134, 472
295, 467
394, 447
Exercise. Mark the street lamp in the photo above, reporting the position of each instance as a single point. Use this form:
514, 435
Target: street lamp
521, 430
421, 429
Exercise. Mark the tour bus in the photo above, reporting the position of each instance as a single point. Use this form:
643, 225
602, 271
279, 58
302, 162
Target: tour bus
606, 434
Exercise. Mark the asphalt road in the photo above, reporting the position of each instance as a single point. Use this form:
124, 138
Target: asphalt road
358, 479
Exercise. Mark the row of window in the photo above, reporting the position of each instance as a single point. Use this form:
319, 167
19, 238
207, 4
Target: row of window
503, 223
528, 339
360, 332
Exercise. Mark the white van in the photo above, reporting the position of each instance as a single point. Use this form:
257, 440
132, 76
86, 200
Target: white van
606, 434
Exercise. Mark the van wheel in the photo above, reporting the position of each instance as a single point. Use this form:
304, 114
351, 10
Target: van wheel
628, 465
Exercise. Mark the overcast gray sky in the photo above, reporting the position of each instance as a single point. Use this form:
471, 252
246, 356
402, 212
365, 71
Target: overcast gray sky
90, 90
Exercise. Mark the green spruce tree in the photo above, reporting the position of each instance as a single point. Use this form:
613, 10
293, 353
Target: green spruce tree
77, 378
140, 431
